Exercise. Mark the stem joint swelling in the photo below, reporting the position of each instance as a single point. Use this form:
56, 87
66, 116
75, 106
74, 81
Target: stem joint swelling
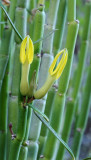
73, 22
79, 130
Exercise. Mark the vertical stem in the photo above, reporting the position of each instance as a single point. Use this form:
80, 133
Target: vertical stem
51, 20
60, 25
31, 17
3, 116
82, 120
70, 109
71, 10
59, 101
53, 9
16, 143
12, 9
24, 147
38, 33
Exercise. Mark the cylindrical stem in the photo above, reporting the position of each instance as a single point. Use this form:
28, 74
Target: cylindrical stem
3, 116
71, 103
83, 116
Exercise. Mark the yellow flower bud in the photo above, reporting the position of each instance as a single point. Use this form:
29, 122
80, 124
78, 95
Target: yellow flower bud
59, 69
26, 50
26, 58
54, 74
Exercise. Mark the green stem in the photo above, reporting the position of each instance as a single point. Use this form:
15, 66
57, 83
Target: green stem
83, 50
50, 26
60, 25
16, 143
71, 10
38, 34
31, 17
4, 50
12, 9
70, 109
83, 116
52, 14
3, 116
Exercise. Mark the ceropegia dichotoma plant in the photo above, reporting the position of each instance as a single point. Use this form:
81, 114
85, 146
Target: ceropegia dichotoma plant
35, 72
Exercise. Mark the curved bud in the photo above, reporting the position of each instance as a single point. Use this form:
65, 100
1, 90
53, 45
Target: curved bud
54, 74
59, 69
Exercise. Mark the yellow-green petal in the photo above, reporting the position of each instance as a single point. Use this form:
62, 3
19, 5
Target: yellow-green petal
26, 50
62, 67
22, 51
31, 51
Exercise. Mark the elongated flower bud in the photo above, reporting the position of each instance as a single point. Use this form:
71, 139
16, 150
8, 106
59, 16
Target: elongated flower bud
26, 58
54, 74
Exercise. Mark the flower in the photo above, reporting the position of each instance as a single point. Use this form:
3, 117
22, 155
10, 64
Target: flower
26, 58
59, 69
26, 50
54, 74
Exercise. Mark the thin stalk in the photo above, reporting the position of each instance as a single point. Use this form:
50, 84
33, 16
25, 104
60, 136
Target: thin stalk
83, 116
70, 109
59, 100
